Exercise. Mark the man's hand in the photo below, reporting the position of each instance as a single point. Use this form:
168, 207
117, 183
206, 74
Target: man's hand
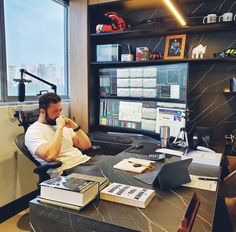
70, 123
61, 122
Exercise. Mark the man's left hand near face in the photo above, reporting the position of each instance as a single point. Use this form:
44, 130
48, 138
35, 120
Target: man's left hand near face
70, 123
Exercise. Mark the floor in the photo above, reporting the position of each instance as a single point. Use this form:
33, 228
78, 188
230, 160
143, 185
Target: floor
18, 223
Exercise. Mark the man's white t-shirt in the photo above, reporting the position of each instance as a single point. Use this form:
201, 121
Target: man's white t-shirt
39, 133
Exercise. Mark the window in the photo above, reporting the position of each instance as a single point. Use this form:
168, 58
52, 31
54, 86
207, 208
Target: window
36, 40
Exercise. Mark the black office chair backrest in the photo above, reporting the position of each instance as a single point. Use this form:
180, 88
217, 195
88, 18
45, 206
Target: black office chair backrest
41, 169
190, 214
26, 117
20, 142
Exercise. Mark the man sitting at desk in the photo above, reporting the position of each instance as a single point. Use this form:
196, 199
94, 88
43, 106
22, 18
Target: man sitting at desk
55, 137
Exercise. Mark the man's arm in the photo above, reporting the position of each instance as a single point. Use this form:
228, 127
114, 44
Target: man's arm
50, 151
80, 139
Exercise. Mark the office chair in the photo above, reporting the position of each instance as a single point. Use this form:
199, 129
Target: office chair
26, 118
190, 215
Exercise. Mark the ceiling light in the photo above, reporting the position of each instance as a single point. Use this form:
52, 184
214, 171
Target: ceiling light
175, 12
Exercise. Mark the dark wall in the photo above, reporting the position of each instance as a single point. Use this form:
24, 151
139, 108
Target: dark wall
208, 105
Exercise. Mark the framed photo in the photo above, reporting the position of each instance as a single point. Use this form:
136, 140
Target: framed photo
174, 47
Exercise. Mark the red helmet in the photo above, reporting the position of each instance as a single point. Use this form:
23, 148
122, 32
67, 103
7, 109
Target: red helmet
116, 23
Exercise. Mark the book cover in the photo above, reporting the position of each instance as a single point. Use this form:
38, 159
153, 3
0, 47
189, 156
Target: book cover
71, 190
61, 204
103, 181
127, 194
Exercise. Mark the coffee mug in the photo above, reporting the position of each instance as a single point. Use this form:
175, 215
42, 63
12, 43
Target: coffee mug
210, 18
226, 17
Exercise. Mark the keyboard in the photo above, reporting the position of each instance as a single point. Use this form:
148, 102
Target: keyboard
113, 138
148, 148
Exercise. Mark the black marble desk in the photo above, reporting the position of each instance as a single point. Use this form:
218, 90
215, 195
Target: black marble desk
164, 213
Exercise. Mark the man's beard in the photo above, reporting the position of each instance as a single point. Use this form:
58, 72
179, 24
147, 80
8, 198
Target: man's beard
50, 121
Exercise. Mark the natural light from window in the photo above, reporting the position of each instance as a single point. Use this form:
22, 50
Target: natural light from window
35, 40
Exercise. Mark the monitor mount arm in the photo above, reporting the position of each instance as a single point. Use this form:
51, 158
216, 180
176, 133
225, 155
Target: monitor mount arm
23, 71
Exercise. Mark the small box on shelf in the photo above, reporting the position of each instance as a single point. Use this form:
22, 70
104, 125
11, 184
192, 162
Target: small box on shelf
142, 53
108, 52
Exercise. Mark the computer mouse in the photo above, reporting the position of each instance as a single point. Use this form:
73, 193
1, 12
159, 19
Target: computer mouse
138, 146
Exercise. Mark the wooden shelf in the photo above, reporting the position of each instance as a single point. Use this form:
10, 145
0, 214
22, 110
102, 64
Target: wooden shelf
156, 62
111, 36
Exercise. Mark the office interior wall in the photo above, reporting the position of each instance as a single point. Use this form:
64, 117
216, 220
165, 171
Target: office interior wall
78, 61
16, 171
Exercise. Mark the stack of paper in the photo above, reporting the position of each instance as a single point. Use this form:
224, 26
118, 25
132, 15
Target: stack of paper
134, 165
201, 182
169, 151
202, 157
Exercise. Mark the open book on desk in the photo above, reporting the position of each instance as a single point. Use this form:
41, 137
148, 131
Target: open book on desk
134, 165
204, 157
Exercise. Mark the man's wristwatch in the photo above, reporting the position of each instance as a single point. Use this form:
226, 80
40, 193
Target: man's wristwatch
77, 128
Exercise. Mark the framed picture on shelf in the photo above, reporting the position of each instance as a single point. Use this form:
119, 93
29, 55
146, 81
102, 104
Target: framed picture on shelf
174, 47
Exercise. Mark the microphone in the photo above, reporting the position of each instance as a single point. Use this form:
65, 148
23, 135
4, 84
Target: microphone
21, 91
21, 86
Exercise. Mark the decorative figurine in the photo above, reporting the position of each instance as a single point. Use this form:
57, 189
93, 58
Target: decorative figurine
198, 51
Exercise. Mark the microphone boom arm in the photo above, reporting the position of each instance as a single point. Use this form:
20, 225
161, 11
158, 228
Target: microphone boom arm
54, 87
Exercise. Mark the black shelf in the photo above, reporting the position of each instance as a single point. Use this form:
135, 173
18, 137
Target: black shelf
144, 99
229, 93
156, 62
111, 36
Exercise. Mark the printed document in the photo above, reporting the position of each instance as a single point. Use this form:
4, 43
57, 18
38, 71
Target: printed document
169, 151
204, 157
201, 184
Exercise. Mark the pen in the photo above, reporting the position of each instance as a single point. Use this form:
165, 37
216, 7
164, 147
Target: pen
208, 178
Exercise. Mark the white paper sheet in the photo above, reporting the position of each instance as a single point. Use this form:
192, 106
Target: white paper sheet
170, 151
201, 184
202, 157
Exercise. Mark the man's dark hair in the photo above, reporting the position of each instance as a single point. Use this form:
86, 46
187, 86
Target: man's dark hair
46, 99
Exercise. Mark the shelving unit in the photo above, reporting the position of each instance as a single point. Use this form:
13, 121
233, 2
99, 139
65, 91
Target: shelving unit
156, 62
142, 37
229, 93
111, 36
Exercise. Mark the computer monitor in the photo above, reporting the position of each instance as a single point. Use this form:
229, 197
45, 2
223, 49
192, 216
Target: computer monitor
142, 99
142, 116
